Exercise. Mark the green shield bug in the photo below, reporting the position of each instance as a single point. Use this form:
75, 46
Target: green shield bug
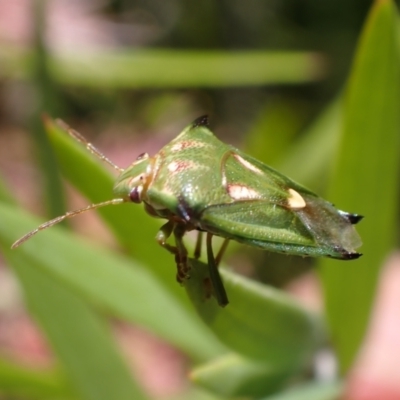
197, 182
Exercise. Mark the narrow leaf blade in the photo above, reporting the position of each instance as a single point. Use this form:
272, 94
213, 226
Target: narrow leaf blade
366, 177
260, 322
123, 287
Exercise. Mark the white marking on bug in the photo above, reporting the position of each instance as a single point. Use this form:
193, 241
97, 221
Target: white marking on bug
295, 201
173, 167
248, 164
186, 145
178, 166
240, 192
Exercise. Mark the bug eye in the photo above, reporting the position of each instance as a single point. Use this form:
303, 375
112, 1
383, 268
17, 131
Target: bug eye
135, 193
141, 156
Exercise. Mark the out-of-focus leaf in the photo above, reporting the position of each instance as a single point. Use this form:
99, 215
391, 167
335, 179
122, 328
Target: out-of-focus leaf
233, 375
134, 229
366, 178
310, 391
171, 68
5, 193
79, 337
260, 323
273, 130
309, 159
19, 381
125, 288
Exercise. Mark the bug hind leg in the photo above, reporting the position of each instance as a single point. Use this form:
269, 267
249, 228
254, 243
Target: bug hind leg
215, 277
179, 250
199, 241
221, 252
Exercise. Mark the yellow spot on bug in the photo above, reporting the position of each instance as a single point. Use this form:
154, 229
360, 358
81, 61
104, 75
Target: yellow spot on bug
295, 201
247, 164
240, 192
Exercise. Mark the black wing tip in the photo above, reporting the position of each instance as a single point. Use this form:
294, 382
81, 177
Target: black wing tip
201, 121
351, 256
345, 255
352, 218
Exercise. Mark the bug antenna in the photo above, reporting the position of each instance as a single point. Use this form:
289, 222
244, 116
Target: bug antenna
69, 214
79, 138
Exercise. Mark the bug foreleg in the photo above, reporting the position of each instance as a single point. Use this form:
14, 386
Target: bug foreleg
218, 286
163, 234
181, 254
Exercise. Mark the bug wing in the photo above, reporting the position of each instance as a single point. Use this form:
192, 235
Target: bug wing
328, 225
258, 223
317, 230
271, 211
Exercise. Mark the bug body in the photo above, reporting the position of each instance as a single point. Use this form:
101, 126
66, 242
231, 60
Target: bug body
197, 182
211, 186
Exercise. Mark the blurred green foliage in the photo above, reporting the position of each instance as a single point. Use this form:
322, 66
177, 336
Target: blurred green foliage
276, 76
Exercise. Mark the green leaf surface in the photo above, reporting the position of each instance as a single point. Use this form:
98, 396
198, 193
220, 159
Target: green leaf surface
5, 193
124, 288
134, 229
273, 130
260, 322
79, 337
366, 178
187, 68
310, 158
21, 381
310, 391
234, 375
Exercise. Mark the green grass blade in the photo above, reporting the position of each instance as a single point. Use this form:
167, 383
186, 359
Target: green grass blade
124, 288
260, 322
21, 381
317, 146
132, 226
310, 391
236, 376
141, 69
79, 337
366, 177
5, 195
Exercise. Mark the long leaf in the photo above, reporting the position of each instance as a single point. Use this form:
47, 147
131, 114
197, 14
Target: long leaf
234, 375
133, 228
126, 289
310, 391
141, 69
16, 380
260, 323
366, 177
79, 337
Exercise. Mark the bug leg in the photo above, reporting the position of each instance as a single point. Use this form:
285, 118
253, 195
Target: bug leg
221, 252
163, 234
218, 286
197, 250
181, 254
